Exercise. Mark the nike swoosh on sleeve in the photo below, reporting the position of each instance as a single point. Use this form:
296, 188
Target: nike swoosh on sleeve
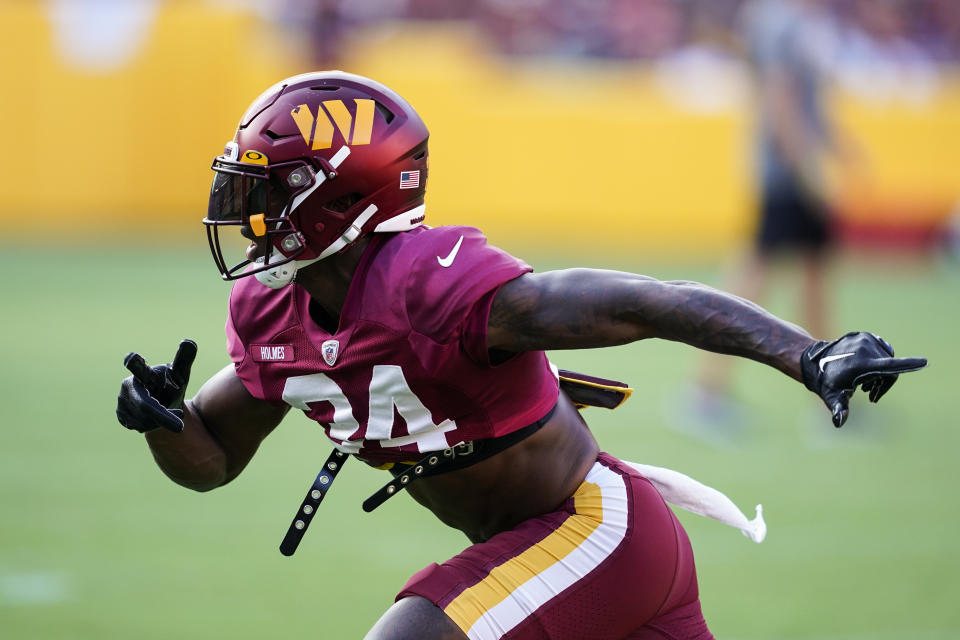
824, 360
446, 262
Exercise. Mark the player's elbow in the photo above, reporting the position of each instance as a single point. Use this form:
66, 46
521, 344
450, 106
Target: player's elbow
200, 475
199, 484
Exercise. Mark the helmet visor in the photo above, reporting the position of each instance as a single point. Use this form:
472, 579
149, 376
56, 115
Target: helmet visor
236, 194
255, 200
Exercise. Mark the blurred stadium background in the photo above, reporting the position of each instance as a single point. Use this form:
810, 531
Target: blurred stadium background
608, 133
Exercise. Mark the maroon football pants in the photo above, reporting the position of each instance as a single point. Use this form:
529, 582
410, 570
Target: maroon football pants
612, 562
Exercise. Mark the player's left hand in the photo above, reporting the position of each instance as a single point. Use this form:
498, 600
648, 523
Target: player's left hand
833, 370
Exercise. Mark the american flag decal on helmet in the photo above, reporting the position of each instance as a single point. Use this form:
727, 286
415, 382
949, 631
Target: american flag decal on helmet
409, 179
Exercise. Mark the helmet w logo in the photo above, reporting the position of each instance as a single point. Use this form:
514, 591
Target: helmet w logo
317, 131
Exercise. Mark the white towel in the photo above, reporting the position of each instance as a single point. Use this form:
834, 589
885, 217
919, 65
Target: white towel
686, 493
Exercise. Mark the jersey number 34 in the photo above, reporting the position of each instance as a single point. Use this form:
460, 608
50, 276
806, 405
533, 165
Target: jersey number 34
388, 391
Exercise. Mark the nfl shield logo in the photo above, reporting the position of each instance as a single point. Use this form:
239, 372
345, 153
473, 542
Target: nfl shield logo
330, 349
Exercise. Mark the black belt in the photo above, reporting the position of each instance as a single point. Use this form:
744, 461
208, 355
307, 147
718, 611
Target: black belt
308, 507
452, 458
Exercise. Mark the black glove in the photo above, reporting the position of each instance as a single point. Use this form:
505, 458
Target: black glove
833, 370
153, 396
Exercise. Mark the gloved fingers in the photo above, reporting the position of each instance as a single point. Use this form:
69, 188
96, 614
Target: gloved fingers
146, 421
897, 365
136, 365
140, 411
868, 385
171, 420
881, 386
886, 367
134, 420
160, 416
838, 402
886, 345
180, 369
877, 385
839, 413
124, 418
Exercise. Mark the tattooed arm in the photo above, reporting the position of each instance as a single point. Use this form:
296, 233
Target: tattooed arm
582, 308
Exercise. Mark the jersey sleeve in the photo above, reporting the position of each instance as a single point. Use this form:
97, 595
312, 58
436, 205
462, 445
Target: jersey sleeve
452, 282
238, 334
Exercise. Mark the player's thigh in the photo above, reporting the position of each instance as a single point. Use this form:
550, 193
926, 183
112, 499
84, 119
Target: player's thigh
415, 618
610, 560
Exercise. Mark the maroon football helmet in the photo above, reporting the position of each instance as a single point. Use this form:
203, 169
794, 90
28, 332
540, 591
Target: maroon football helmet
318, 160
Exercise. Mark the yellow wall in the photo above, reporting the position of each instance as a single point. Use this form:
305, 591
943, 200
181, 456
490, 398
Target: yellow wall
572, 155
911, 159
555, 154
119, 147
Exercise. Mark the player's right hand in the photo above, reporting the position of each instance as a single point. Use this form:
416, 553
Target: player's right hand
153, 396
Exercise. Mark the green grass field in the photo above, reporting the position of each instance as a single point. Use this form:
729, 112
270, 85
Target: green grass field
95, 543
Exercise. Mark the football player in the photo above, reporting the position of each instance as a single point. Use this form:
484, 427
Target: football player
421, 351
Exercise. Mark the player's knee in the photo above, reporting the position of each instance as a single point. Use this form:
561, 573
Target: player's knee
415, 618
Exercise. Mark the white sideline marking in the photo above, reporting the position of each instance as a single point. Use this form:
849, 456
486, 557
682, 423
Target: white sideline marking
38, 587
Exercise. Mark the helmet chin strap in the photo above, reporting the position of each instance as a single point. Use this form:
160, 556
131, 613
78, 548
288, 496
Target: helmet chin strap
351, 234
283, 274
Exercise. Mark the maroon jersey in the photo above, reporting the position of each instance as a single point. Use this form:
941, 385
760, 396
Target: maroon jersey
407, 370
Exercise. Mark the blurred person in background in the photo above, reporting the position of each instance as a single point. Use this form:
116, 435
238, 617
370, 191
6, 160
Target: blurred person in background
639, 30
421, 351
325, 22
789, 46
877, 58
942, 27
